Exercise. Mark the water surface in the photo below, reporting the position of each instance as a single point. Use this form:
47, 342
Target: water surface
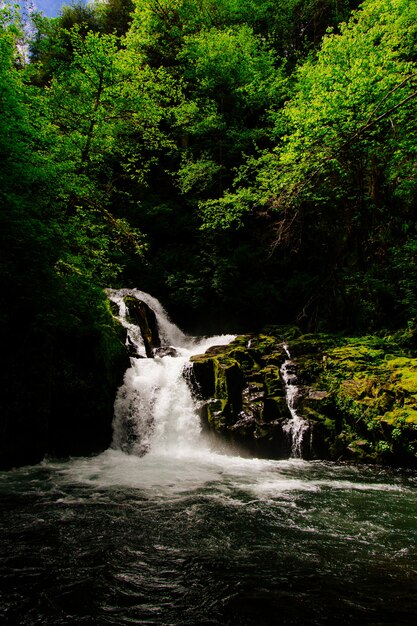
206, 538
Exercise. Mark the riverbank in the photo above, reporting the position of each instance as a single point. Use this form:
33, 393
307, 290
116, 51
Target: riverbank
358, 394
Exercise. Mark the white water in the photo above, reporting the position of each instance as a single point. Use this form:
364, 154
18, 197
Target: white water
155, 412
168, 332
296, 426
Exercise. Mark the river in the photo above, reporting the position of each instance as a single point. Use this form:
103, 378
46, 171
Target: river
207, 539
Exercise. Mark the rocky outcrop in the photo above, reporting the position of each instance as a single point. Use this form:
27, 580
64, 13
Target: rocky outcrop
59, 384
370, 411
165, 351
243, 395
139, 313
91, 366
358, 394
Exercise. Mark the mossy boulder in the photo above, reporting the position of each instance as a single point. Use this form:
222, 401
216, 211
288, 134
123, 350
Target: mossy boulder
219, 378
373, 390
243, 392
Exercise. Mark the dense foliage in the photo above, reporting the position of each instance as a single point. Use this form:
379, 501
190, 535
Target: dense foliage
246, 161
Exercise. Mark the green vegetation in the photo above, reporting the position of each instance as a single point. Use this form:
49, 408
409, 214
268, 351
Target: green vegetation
248, 162
372, 383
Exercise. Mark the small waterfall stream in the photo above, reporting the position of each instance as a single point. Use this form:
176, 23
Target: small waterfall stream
169, 333
296, 427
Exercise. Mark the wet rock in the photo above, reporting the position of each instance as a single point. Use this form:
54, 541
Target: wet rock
141, 314
165, 351
132, 349
317, 395
358, 394
202, 376
243, 392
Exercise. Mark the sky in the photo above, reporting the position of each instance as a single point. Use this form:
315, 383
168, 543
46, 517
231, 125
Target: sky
50, 8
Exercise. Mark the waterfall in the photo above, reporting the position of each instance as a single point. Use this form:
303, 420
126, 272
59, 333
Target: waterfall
296, 426
169, 333
155, 412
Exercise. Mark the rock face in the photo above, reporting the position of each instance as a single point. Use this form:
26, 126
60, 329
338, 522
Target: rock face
80, 420
360, 397
243, 394
358, 394
165, 351
142, 315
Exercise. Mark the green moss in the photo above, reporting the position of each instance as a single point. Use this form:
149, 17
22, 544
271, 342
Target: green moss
404, 374
395, 362
330, 424
272, 382
401, 415
262, 345
362, 450
358, 388
216, 414
243, 357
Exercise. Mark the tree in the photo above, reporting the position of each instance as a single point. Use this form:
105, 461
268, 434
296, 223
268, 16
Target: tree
231, 79
60, 348
115, 16
338, 184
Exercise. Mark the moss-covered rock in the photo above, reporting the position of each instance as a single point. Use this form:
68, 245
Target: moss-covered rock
73, 364
372, 386
359, 394
243, 392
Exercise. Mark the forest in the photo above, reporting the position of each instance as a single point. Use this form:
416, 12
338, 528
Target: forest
248, 162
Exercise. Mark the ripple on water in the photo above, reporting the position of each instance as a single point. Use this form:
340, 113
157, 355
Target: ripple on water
210, 540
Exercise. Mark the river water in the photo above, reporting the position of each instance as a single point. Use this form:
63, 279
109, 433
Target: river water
166, 528
207, 539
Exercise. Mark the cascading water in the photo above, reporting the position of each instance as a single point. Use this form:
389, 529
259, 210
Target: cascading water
169, 333
154, 409
296, 427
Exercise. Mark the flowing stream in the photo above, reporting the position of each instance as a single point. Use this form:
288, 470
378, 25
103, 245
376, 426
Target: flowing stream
296, 427
165, 529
